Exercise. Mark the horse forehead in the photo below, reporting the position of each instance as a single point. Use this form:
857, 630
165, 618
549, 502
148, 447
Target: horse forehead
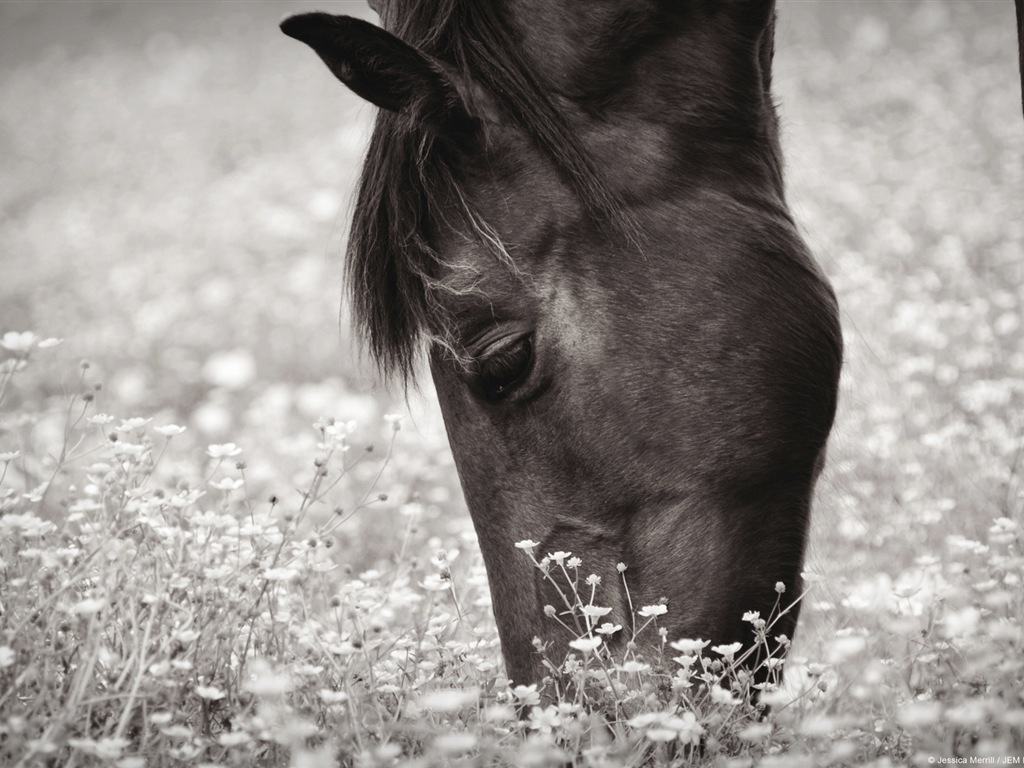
575, 310
553, 274
641, 152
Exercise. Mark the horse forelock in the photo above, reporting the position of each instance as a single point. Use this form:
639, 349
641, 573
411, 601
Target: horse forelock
411, 191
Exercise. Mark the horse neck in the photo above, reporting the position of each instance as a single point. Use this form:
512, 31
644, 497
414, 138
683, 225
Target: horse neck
691, 97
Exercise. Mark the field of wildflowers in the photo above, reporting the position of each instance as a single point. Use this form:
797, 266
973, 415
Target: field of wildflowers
222, 544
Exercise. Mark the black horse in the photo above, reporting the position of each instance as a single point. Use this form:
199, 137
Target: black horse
578, 211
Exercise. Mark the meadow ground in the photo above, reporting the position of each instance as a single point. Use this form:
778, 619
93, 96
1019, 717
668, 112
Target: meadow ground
290, 576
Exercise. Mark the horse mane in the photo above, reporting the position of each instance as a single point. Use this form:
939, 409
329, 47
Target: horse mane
409, 188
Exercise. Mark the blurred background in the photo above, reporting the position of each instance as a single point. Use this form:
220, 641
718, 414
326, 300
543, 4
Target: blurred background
175, 184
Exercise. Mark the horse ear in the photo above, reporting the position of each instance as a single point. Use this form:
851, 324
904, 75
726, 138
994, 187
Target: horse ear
383, 69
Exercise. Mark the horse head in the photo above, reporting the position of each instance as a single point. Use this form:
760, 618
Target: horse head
577, 213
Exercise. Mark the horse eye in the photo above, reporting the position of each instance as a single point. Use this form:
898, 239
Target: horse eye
501, 371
